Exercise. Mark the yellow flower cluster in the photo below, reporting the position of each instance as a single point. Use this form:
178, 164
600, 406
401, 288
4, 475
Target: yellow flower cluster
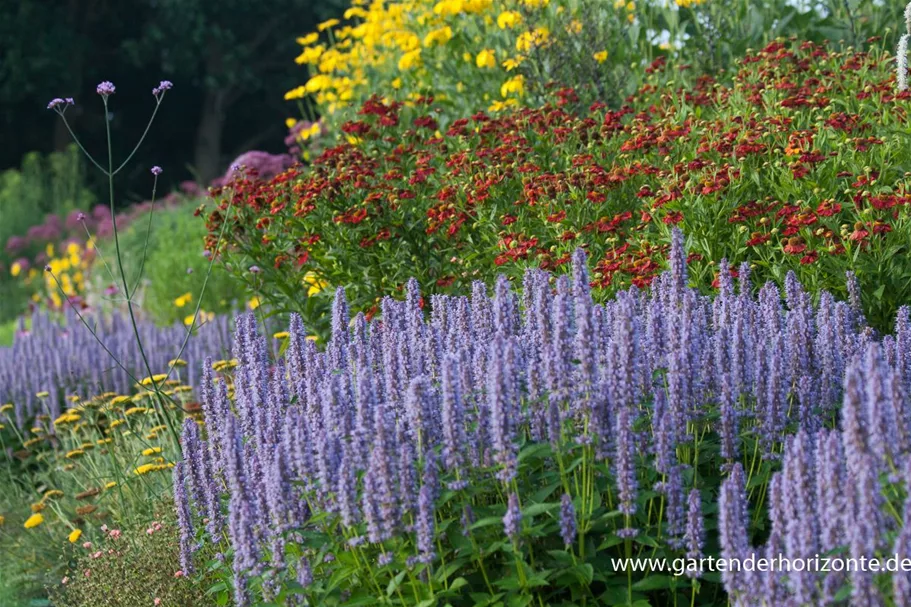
66, 272
402, 48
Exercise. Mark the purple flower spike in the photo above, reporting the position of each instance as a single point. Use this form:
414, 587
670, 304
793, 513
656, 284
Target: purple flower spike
512, 520
567, 520
156, 170
105, 89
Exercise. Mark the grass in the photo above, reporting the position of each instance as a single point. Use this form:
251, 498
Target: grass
7, 331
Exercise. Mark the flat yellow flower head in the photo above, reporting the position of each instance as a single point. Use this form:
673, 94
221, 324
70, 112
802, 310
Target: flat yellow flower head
158, 378
74, 536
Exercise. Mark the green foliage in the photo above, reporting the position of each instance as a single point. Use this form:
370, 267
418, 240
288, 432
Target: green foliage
174, 266
133, 569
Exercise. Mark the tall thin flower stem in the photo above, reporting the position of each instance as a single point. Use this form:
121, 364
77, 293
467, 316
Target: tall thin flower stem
145, 246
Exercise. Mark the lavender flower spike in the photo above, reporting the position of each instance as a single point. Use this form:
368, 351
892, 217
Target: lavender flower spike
182, 505
512, 520
567, 520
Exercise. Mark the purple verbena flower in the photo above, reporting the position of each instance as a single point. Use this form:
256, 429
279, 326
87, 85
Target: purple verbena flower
105, 89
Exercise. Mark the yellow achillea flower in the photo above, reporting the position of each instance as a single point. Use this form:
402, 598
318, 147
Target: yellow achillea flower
224, 364
15, 269
133, 411
177, 362
486, 58
37, 507
146, 468
327, 24
2, 520
281, 335
6, 407
52, 494
308, 39
66, 418
116, 423
75, 453
32, 441
111, 485
152, 451
600, 56
105, 441
74, 536
33, 521
183, 300
160, 377
43, 394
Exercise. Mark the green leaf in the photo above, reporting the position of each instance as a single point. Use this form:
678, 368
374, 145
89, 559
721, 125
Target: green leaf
654, 582
395, 582
535, 509
487, 521
219, 587
458, 583
584, 572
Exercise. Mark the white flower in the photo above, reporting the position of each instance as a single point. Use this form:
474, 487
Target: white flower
901, 62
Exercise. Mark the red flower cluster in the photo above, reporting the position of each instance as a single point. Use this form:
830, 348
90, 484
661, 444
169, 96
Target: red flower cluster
781, 183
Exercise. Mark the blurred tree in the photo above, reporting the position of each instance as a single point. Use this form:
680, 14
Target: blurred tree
47, 48
231, 52
231, 62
